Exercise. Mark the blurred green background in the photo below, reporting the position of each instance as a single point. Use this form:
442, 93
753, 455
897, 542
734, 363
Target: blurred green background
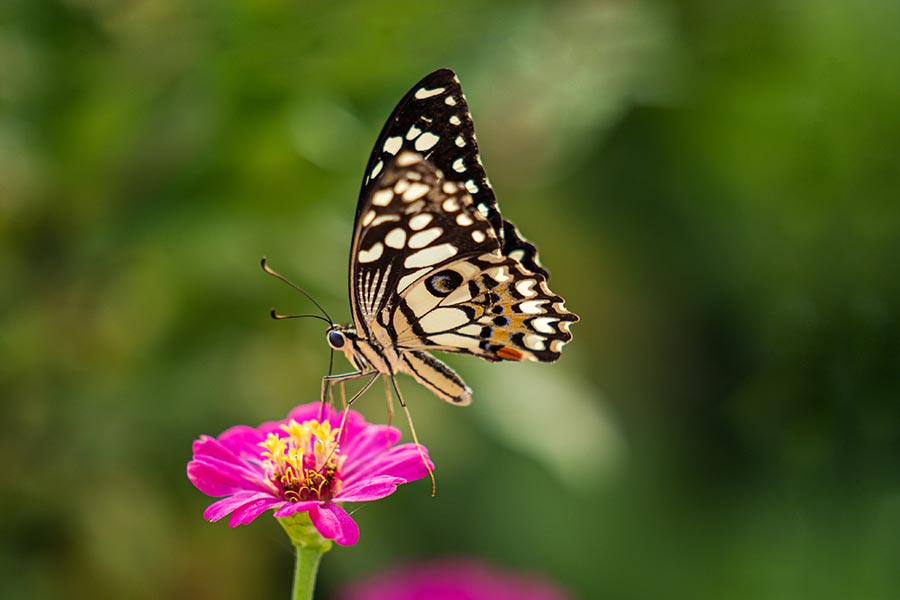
713, 185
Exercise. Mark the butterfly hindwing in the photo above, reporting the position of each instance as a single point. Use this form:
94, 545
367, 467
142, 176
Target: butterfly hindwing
457, 291
498, 310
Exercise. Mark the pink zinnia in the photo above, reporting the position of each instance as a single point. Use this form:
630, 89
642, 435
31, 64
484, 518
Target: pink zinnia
304, 463
453, 579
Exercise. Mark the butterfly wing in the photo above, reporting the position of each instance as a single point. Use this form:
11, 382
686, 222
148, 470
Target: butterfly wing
433, 265
433, 120
431, 274
464, 295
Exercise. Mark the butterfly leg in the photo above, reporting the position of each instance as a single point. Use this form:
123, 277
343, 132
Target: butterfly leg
329, 380
412, 431
363, 390
390, 401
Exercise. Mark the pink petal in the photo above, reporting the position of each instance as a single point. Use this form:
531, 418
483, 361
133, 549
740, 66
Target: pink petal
211, 448
312, 411
290, 508
403, 462
353, 426
219, 478
373, 488
225, 506
243, 441
334, 523
250, 510
374, 440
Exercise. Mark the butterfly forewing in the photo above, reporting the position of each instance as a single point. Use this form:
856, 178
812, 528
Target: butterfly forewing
411, 225
433, 120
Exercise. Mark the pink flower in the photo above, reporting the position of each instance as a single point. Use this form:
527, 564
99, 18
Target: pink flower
303, 463
455, 579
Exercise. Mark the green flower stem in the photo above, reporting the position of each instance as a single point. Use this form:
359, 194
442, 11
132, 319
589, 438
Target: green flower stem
309, 546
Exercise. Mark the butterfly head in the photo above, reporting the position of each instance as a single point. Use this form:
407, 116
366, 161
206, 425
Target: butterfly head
343, 338
339, 337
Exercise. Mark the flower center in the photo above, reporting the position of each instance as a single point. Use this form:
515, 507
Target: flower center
305, 463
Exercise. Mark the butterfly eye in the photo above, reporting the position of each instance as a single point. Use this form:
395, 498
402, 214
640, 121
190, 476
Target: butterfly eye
336, 339
443, 283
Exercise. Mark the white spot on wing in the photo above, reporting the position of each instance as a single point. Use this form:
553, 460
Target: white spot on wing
518, 254
450, 101
525, 286
478, 236
463, 220
385, 219
454, 341
370, 216
473, 330
383, 197
534, 342
460, 141
544, 324
415, 191
449, 187
423, 238
393, 144
376, 170
430, 256
443, 319
501, 274
454, 120
395, 238
450, 205
423, 93
413, 132
420, 221
408, 158
473, 189
401, 186
372, 254
426, 141
532, 307
458, 165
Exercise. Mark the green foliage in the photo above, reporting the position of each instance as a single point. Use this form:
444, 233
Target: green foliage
713, 185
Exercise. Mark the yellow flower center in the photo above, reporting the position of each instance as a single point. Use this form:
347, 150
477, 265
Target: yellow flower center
304, 464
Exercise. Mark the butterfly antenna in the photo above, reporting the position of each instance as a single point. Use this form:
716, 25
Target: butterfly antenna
279, 317
277, 275
415, 438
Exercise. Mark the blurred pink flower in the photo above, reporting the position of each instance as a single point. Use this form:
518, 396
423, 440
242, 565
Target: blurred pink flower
303, 463
453, 579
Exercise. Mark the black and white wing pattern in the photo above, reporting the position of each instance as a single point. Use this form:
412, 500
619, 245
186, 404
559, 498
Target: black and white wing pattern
433, 119
433, 265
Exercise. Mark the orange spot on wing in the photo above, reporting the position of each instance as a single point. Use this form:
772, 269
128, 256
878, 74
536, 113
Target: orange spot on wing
510, 353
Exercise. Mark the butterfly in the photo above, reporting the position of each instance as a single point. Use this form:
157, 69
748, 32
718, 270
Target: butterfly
434, 267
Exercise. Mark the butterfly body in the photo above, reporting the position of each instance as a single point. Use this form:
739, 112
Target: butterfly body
433, 265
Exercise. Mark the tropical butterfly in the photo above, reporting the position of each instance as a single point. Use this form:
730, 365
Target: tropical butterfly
433, 264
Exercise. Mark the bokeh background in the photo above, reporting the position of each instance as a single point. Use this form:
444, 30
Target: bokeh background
713, 185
